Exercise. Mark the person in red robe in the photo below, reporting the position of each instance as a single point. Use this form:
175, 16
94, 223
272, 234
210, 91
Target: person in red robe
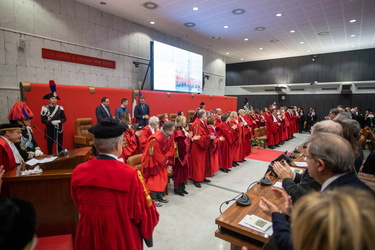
227, 131
182, 155
214, 148
237, 145
116, 211
147, 131
10, 134
164, 119
200, 160
272, 128
284, 126
202, 106
217, 114
130, 144
246, 133
158, 155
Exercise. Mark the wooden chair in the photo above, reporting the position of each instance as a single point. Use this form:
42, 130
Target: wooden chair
260, 134
136, 161
173, 116
83, 137
190, 115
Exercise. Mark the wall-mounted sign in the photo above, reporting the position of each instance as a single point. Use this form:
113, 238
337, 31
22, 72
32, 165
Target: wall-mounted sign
75, 58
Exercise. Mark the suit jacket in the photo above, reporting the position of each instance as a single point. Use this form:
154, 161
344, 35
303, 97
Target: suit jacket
281, 225
302, 184
101, 113
139, 112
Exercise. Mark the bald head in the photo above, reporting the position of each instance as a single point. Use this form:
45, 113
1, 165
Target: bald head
327, 126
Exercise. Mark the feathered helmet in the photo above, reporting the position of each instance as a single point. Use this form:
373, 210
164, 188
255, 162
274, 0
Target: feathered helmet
20, 111
246, 101
52, 86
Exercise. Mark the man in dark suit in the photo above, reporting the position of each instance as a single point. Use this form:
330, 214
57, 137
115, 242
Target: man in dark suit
332, 167
103, 111
142, 112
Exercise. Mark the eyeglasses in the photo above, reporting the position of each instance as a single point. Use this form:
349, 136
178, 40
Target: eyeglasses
305, 156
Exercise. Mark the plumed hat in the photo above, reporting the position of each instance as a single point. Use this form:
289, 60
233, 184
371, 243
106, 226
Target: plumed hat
52, 86
20, 111
202, 103
108, 128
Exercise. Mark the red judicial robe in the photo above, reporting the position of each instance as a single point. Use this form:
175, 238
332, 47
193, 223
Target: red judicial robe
236, 139
249, 122
226, 156
214, 150
239, 153
200, 160
217, 120
162, 122
159, 153
116, 212
246, 136
181, 163
129, 144
262, 121
146, 133
6, 156
271, 130
284, 127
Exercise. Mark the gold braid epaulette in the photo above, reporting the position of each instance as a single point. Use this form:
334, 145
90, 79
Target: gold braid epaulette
176, 153
151, 150
148, 197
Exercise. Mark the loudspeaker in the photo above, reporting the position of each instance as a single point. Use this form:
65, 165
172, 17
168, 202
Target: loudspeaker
346, 89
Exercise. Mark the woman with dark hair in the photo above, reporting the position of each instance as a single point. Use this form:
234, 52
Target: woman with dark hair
130, 144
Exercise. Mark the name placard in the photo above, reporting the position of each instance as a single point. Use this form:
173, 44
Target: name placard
75, 58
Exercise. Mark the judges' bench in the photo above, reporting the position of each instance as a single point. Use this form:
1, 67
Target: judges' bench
49, 192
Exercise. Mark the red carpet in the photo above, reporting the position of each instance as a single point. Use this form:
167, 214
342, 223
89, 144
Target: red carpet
265, 155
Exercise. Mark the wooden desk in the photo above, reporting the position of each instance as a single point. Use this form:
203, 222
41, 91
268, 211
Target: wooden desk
239, 235
49, 192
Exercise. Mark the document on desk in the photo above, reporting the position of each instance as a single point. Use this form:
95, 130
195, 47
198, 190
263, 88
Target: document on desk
278, 184
301, 164
256, 223
34, 161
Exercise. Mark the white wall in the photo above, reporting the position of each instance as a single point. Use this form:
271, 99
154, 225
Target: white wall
73, 27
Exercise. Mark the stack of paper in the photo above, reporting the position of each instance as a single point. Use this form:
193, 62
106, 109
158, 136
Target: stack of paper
258, 224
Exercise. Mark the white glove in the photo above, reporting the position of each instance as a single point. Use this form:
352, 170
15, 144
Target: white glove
38, 152
30, 155
55, 122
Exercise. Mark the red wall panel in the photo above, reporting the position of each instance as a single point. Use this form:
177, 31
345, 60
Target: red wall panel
78, 102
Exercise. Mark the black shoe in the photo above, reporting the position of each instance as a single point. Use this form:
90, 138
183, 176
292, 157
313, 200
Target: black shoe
282, 143
277, 145
179, 192
184, 191
158, 204
223, 170
206, 180
243, 160
228, 170
197, 184
163, 200
234, 165
271, 147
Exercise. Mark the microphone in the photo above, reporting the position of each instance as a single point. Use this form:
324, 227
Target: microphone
62, 152
243, 201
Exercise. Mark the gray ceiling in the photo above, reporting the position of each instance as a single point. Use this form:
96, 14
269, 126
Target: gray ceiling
306, 17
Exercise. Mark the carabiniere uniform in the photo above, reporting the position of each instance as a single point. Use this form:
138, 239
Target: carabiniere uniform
51, 113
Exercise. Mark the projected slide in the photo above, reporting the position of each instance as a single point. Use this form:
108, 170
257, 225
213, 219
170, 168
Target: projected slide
176, 69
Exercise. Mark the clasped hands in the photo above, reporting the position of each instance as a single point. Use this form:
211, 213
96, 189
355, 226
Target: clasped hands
55, 122
285, 203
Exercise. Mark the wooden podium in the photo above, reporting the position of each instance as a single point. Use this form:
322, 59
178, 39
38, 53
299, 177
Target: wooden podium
49, 192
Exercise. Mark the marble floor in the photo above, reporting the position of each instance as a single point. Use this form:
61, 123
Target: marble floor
189, 222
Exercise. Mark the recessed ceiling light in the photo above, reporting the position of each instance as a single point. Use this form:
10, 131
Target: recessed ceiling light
152, 22
260, 48
308, 51
150, 5
238, 11
189, 24
301, 42
246, 39
195, 8
353, 46
353, 21
260, 28
226, 27
292, 31
227, 53
323, 33
274, 41
216, 37
352, 35
279, 14
271, 55
241, 59
103, 3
